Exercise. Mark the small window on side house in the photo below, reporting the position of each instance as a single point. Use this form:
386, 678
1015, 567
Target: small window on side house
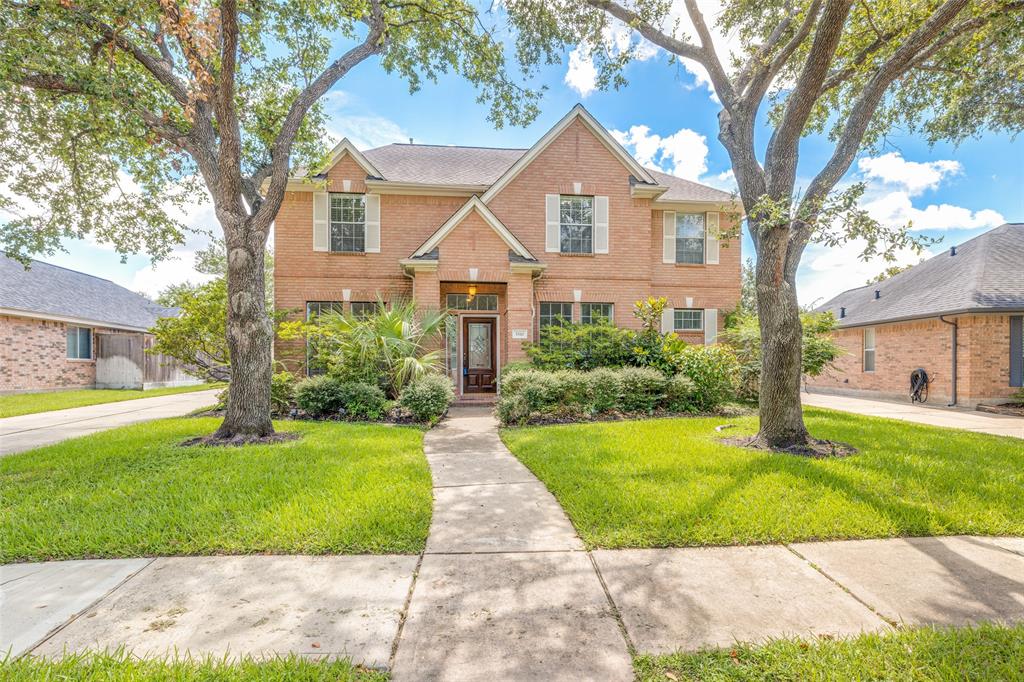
79, 343
688, 320
596, 313
869, 349
576, 230
690, 234
348, 223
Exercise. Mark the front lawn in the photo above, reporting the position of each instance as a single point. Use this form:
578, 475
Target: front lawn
33, 403
121, 666
986, 652
671, 482
341, 488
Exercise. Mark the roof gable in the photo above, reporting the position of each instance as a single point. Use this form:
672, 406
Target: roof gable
474, 204
577, 113
346, 147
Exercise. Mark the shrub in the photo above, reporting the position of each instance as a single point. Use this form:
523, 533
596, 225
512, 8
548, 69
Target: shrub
538, 388
580, 346
513, 367
320, 396
573, 388
428, 397
679, 394
362, 401
282, 392
713, 370
605, 389
512, 410
642, 388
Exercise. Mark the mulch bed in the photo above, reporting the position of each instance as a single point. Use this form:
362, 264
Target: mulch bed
238, 441
816, 448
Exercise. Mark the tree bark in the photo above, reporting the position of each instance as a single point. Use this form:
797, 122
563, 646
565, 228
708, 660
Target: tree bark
249, 333
782, 421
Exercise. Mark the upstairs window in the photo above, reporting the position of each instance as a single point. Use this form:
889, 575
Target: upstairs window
348, 223
79, 343
596, 313
690, 234
555, 314
688, 320
576, 229
869, 349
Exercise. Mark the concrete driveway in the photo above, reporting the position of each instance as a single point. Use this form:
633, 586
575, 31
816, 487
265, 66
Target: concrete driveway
35, 430
982, 422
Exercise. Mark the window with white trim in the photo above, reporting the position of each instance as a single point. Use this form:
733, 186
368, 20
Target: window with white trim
348, 223
690, 234
688, 320
596, 313
477, 302
576, 224
555, 314
79, 343
869, 349
314, 309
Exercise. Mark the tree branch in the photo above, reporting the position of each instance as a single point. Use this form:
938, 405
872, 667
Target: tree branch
761, 79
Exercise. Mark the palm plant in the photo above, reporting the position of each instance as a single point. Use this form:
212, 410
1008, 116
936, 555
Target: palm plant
391, 346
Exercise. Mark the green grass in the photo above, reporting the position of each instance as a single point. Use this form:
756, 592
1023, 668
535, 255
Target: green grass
341, 488
34, 403
121, 667
671, 482
986, 652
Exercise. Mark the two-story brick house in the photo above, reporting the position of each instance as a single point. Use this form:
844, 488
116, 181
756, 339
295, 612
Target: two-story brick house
509, 240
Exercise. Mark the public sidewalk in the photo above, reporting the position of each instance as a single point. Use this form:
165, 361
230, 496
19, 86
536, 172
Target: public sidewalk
969, 420
35, 430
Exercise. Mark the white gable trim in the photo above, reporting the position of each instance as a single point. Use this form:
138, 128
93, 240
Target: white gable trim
577, 112
346, 147
474, 204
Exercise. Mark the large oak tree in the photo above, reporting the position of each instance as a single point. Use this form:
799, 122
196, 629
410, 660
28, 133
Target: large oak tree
117, 113
853, 69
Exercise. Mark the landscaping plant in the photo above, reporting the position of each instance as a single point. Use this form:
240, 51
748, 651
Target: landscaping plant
581, 346
713, 370
428, 397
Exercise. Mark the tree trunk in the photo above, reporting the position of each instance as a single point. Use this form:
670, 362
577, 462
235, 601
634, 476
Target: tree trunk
782, 421
249, 333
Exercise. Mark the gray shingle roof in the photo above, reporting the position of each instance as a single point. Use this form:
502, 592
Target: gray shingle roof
442, 165
687, 190
987, 273
52, 290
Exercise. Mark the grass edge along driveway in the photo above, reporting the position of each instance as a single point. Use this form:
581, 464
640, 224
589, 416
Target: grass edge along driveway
17, 404
671, 482
129, 492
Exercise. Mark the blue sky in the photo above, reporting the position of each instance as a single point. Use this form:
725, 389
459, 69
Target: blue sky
667, 117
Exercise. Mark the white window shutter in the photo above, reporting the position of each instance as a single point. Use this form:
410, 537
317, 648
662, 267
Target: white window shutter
552, 239
321, 228
668, 252
711, 238
372, 223
600, 224
710, 326
668, 320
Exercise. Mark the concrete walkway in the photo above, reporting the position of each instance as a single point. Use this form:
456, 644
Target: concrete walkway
35, 430
969, 420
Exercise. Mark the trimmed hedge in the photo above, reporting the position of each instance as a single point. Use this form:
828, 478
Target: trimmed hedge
428, 397
327, 396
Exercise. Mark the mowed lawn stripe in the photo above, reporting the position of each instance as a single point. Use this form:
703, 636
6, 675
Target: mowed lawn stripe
672, 482
341, 488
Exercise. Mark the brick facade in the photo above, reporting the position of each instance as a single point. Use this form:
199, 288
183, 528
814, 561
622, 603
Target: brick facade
983, 360
575, 162
33, 357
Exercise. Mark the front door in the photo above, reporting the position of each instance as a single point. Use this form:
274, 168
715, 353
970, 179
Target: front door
479, 362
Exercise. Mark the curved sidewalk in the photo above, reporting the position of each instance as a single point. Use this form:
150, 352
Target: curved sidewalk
29, 431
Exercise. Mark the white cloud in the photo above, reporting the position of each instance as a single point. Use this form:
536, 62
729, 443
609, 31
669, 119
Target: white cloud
347, 117
827, 271
581, 75
912, 176
683, 153
896, 209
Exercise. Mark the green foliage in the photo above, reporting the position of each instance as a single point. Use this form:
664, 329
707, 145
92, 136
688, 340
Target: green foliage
580, 346
320, 396
642, 388
605, 389
1018, 398
428, 397
712, 369
574, 388
889, 273
513, 410
513, 367
680, 393
282, 392
819, 348
362, 402
649, 311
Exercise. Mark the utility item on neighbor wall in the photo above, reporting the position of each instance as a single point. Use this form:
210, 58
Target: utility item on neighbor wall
919, 386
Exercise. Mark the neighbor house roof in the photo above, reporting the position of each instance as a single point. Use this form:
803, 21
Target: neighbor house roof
52, 292
983, 274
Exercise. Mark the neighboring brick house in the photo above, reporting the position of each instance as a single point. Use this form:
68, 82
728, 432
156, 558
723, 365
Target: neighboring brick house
509, 240
971, 295
55, 322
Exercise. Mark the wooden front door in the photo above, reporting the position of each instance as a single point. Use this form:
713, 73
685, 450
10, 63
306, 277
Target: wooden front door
479, 355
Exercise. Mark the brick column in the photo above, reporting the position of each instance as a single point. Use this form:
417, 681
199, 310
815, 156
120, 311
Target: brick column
519, 314
426, 289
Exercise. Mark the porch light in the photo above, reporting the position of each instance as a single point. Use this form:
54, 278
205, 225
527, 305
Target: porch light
472, 293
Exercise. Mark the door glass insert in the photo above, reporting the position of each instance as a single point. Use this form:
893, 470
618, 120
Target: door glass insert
479, 345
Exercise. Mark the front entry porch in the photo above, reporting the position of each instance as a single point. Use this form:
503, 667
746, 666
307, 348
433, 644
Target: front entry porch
475, 348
